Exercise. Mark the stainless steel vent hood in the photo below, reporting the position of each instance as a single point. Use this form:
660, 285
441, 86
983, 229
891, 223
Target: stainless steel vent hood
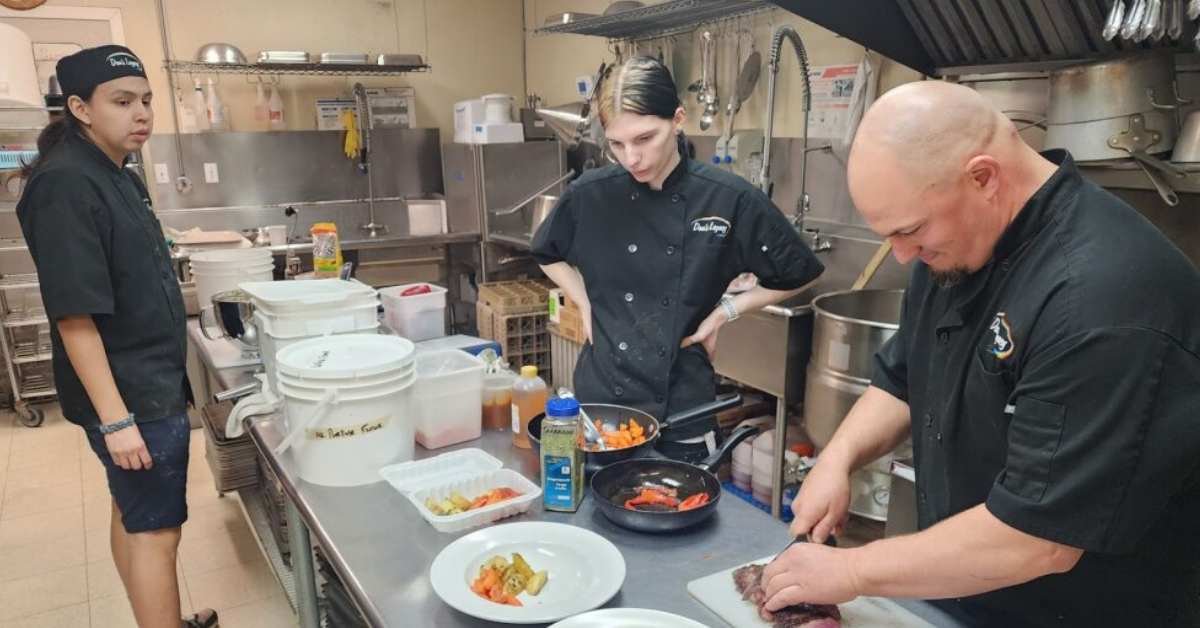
956, 37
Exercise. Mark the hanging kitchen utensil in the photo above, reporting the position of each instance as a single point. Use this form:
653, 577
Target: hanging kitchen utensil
706, 91
1175, 20
1135, 140
1149, 20
1160, 22
1112, 25
1133, 19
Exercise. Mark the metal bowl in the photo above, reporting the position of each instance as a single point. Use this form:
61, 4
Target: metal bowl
217, 52
234, 312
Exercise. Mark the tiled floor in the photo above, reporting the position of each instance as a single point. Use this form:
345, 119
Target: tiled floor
55, 564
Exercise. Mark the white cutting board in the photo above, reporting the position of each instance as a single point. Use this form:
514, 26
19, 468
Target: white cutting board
718, 593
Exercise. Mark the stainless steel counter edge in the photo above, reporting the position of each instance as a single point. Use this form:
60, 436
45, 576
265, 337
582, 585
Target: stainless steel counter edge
381, 242
336, 560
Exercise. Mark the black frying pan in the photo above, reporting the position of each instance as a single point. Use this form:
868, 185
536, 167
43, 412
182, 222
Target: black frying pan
611, 416
617, 483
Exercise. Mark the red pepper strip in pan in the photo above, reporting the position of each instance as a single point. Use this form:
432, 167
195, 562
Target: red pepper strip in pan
695, 501
650, 496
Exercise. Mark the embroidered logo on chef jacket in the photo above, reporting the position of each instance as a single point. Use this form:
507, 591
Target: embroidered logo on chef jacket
1002, 337
715, 225
124, 59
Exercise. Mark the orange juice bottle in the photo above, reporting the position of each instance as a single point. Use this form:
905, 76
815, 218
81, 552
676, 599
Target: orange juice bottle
528, 400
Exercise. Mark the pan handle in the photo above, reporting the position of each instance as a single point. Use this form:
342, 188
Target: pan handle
690, 415
713, 461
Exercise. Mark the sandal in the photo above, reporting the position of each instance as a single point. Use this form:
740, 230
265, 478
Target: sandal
209, 621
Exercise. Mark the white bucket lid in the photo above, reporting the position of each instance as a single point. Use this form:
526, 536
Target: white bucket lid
298, 295
345, 356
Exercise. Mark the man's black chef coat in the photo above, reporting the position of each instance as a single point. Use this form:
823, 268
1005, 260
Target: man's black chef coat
655, 263
99, 250
1060, 385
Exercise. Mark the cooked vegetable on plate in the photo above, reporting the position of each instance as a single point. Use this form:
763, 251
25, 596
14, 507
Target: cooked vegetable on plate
501, 581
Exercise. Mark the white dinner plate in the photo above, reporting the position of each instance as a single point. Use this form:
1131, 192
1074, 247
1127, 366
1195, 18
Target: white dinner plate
628, 618
585, 571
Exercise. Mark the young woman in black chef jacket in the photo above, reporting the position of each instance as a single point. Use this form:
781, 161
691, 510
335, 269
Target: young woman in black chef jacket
117, 321
646, 248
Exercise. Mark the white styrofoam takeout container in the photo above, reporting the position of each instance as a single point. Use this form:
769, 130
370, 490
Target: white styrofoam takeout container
471, 472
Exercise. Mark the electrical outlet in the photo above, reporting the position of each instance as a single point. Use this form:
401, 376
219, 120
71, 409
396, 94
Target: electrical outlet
210, 173
161, 174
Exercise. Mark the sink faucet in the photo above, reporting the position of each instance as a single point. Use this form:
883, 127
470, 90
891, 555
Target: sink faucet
817, 243
782, 32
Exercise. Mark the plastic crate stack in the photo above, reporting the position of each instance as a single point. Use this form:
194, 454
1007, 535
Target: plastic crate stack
514, 314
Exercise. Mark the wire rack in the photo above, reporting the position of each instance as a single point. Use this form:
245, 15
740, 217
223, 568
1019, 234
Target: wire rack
659, 20
300, 69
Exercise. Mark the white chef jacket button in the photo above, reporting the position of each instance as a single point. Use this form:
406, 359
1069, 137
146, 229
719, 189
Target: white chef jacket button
633, 248
623, 346
629, 297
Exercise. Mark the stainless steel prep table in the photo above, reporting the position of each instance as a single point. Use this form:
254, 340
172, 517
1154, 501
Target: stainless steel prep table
382, 549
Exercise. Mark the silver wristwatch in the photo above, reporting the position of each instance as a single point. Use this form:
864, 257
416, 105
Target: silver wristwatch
731, 312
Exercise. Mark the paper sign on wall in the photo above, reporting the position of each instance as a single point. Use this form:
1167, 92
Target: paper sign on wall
832, 89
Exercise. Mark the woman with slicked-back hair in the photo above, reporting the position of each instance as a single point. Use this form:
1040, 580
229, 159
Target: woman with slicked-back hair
646, 248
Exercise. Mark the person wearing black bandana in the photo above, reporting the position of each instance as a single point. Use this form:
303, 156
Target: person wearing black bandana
117, 317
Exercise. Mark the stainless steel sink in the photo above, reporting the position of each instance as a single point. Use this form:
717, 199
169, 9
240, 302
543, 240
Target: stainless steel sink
769, 350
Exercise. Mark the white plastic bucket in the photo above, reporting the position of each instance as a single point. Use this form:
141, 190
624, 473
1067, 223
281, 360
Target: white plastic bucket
357, 432
448, 398
345, 357
209, 282
332, 320
230, 256
269, 345
417, 317
318, 386
316, 295
343, 428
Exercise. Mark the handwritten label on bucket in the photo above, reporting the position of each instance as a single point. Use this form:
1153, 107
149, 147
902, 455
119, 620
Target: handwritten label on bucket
346, 431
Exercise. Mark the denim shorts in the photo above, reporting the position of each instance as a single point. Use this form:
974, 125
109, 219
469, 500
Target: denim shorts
154, 499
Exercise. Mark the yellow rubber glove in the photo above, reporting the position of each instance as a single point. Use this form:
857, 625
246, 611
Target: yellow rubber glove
350, 147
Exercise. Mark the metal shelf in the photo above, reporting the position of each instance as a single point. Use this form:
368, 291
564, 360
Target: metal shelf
22, 281
30, 355
659, 20
25, 319
301, 69
37, 385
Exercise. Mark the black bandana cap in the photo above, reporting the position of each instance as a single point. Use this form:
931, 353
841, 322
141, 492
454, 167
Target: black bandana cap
81, 72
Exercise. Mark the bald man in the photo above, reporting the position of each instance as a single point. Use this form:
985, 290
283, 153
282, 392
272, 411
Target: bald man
1047, 368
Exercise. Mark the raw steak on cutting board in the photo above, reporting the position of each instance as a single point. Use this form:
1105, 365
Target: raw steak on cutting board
748, 582
718, 592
